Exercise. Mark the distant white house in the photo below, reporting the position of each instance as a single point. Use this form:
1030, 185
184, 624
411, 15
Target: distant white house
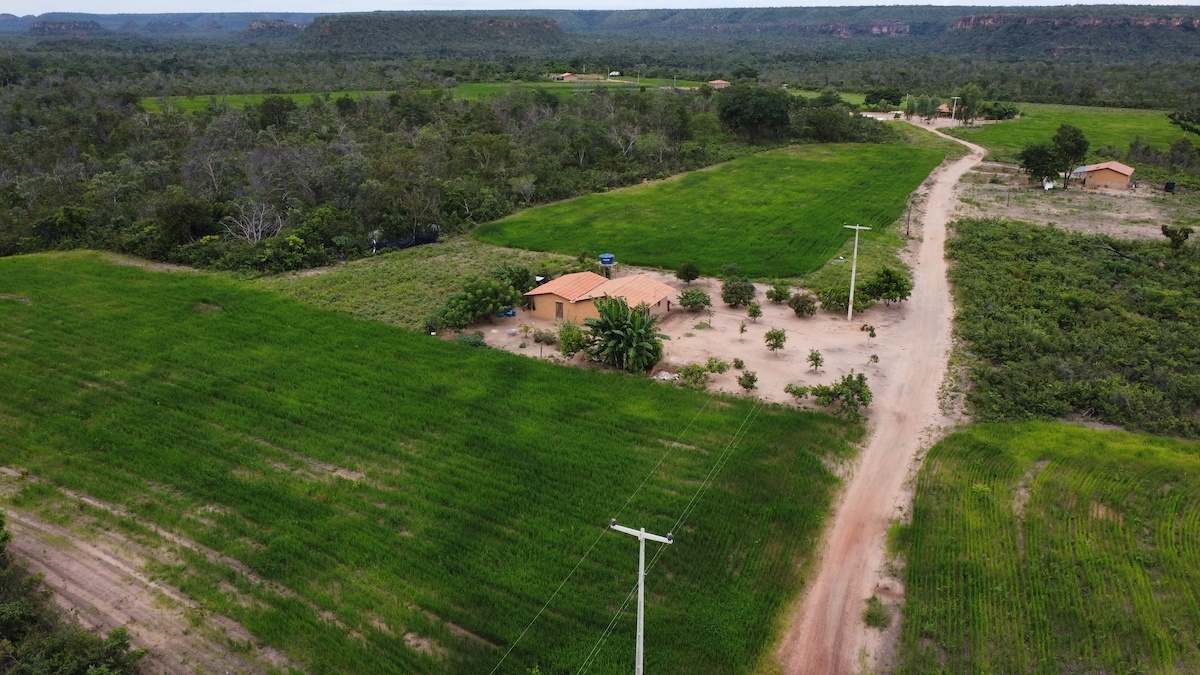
615, 73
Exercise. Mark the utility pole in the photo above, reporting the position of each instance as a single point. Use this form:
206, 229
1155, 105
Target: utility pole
853, 268
642, 536
954, 110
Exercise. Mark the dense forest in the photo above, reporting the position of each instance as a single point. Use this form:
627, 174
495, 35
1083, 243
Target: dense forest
84, 163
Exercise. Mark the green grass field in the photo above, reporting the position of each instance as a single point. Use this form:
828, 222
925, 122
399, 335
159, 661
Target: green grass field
1102, 126
470, 91
197, 103
220, 411
775, 214
1049, 548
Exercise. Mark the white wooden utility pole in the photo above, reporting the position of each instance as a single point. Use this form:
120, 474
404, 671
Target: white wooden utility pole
954, 110
642, 536
853, 268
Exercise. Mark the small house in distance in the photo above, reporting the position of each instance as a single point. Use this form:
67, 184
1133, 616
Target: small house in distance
569, 297
1112, 175
566, 77
718, 84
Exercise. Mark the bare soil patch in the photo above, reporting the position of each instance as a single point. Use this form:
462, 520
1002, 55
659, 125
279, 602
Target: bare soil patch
102, 583
1000, 190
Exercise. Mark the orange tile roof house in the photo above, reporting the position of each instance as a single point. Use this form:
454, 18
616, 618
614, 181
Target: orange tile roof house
718, 84
569, 297
1112, 175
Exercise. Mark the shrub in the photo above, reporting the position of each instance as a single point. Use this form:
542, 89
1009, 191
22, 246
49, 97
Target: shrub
695, 300
877, 614
888, 285
522, 279
737, 291
571, 338
780, 292
545, 337
471, 339
754, 311
748, 380
837, 299
739, 364
693, 375
803, 304
815, 359
688, 272
775, 339
849, 395
715, 365
797, 391
479, 298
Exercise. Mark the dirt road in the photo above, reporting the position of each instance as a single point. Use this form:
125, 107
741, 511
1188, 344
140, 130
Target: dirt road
827, 635
102, 582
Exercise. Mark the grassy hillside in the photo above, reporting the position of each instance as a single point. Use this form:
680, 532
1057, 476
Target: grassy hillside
1102, 126
1047, 548
398, 488
778, 213
404, 287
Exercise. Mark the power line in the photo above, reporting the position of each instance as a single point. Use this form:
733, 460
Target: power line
722, 459
645, 480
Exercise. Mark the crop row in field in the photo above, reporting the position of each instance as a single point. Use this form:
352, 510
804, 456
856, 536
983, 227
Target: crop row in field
1049, 548
775, 214
403, 488
1102, 126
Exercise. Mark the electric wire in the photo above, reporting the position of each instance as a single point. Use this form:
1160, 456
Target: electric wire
600, 536
722, 459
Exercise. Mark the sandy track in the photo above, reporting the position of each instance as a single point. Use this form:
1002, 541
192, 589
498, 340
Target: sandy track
827, 635
101, 582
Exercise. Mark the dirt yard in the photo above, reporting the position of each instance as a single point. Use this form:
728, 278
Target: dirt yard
697, 336
1001, 190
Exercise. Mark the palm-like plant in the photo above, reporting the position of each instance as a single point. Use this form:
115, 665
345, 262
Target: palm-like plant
624, 337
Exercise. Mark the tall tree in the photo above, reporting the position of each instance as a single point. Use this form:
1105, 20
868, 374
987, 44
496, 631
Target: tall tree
1039, 161
970, 98
758, 112
1070, 148
1187, 119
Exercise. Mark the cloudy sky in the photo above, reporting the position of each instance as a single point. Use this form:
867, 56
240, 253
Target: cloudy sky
22, 7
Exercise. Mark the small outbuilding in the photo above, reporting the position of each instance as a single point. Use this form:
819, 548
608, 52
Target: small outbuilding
615, 73
569, 297
566, 77
718, 84
1112, 175
944, 110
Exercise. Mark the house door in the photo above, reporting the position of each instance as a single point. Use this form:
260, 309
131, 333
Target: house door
558, 309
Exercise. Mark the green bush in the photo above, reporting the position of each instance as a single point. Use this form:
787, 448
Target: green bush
737, 291
780, 292
695, 300
877, 615
803, 304
545, 337
715, 365
748, 380
847, 396
624, 337
693, 375
688, 272
571, 338
471, 339
480, 298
